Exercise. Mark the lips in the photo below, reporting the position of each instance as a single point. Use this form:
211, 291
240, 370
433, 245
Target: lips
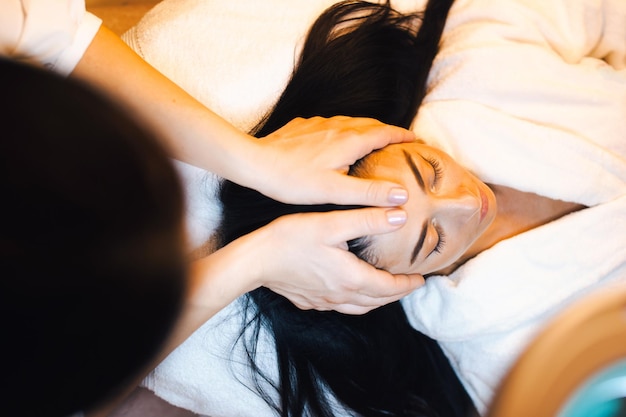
484, 205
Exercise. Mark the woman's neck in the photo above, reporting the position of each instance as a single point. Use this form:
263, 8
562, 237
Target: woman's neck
517, 213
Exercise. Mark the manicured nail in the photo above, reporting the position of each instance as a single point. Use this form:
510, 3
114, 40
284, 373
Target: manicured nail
396, 217
398, 196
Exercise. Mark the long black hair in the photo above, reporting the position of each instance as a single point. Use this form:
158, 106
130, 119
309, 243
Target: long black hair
359, 59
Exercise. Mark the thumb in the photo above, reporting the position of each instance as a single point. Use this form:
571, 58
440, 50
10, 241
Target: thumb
350, 224
350, 190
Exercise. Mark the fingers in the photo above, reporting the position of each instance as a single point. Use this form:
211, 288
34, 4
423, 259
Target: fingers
350, 224
377, 135
374, 287
363, 125
364, 134
316, 271
360, 137
377, 287
367, 192
387, 288
384, 289
306, 161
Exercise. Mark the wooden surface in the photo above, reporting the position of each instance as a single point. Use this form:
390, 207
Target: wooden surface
120, 15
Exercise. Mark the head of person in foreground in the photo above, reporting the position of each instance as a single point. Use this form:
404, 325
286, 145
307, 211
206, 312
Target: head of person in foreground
91, 245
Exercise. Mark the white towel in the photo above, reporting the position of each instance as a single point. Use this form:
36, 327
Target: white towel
526, 93
233, 56
209, 373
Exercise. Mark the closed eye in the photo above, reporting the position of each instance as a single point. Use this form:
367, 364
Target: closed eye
441, 242
437, 169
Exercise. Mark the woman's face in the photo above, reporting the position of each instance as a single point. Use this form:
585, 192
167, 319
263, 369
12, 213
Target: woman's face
448, 208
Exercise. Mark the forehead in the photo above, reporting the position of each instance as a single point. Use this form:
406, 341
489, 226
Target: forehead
391, 160
398, 150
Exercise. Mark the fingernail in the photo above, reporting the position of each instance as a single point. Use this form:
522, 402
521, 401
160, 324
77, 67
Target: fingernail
398, 196
396, 217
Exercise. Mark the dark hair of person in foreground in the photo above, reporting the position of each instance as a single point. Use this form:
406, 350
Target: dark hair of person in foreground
91, 245
360, 59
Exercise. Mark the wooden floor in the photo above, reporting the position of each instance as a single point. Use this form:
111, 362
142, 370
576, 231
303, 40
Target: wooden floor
120, 15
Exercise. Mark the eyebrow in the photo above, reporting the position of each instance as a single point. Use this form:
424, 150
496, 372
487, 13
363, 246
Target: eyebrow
416, 172
420, 182
420, 243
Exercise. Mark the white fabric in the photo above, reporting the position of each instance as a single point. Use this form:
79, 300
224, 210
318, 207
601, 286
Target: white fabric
526, 93
520, 95
202, 206
237, 55
209, 373
203, 374
529, 71
52, 33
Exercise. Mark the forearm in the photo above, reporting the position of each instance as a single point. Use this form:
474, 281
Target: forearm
302, 162
192, 132
216, 281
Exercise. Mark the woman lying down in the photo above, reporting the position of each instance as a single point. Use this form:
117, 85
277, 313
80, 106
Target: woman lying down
262, 356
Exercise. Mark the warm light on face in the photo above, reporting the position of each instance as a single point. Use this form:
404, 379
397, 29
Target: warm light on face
448, 208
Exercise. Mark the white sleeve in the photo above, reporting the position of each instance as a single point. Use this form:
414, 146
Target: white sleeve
52, 33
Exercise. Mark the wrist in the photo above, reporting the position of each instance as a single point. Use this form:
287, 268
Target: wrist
226, 274
255, 159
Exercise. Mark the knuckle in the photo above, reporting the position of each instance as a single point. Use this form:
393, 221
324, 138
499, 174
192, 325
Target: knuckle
352, 284
371, 220
374, 192
302, 306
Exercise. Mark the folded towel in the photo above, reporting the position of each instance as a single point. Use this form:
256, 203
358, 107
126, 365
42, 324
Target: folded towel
234, 56
209, 373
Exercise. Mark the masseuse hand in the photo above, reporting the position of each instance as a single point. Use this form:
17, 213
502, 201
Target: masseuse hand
304, 258
305, 162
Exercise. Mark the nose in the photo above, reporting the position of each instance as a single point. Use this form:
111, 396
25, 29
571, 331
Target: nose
462, 203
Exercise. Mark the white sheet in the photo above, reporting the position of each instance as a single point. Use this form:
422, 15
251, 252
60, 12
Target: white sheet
528, 94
